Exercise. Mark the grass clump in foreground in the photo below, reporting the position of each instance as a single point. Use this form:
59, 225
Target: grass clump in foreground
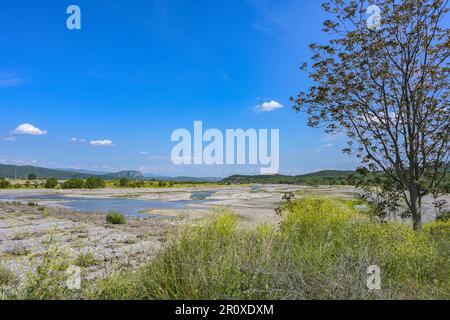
321, 250
115, 218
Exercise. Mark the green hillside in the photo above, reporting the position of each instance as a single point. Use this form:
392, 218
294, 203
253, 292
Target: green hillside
22, 172
329, 177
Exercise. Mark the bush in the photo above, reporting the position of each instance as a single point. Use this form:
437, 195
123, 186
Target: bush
124, 182
94, 183
115, 218
7, 277
321, 251
86, 260
73, 184
445, 216
32, 176
4, 184
51, 183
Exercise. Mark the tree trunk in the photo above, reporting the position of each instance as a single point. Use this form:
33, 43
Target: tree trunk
415, 206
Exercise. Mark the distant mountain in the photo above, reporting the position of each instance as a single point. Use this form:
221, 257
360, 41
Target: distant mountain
328, 173
153, 176
326, 177
90, 172
130, 174
181, 178
194, 179
22, 172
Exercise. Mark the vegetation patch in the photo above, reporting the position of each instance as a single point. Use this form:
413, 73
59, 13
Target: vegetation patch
116, 218
321, 251
86, 260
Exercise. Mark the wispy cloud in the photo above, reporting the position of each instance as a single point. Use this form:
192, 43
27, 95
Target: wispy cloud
327, 145
10, 79
268, 106
333, 137
10, 139
259, 27
102, 143
78, 140
28, 129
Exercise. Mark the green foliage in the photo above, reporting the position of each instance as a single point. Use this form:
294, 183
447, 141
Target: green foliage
445, 216
51, 183
94, 183
7, 277
86, 260
165, 184
137, 184
328, 177
124, 182
321, 251
32, 176
73, 184
4, 184
116, 218
46, 275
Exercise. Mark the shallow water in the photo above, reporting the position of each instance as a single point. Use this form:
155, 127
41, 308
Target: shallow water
129, 207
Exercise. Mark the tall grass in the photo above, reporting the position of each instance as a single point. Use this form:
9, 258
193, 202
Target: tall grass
321, 250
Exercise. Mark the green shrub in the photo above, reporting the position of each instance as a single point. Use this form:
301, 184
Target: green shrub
86, 260
32, 176
445, 216
115, 218
73, 184
7, 277
94, 183
124, 182
51, 183
4, 184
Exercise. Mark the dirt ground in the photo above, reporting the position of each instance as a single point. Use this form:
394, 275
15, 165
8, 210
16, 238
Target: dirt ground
25, 231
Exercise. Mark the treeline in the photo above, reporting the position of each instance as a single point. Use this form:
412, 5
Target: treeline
94, 183
284, 179
52, 183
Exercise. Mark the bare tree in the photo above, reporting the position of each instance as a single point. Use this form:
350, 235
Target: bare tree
387, 87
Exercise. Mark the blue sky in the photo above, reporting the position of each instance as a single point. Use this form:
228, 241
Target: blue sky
137, 70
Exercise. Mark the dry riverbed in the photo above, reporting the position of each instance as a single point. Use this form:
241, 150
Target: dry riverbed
25, 231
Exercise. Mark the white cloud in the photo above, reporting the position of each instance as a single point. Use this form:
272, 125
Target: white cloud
327, 145
144, 152
78, 140
29, 129
268, 106
102, 143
